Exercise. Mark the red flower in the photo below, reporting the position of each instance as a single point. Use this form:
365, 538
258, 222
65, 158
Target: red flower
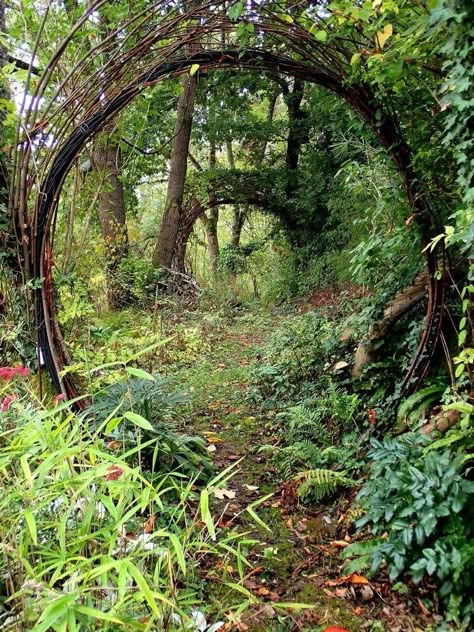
9, 372
7, 401
113, 473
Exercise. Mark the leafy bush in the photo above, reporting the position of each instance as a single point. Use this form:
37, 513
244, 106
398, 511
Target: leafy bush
421, 500
154, 401
299, 359
88, 542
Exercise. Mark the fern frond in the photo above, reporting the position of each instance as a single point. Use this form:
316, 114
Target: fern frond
320, 483
360, 555
412, 407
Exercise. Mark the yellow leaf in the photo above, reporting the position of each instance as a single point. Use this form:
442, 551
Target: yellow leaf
376, 4
383, 35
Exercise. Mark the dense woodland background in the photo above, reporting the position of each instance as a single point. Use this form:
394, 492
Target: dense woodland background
260, 311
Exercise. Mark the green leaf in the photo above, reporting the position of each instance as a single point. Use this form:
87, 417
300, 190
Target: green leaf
26, 469
93, 613
236, 10
54, 611
179, 551
138, 420
31, 523
355, 59
140, 373
321, 36
206, 514
193, 70
143, 587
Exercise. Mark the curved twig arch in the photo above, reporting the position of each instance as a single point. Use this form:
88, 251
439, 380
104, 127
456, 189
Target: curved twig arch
151, 46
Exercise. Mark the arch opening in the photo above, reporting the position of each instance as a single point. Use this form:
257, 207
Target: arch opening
79, 115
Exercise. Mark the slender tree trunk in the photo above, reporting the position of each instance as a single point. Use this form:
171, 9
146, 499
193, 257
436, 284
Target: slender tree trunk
107, 161
210, 222
239, 212
166, 242
188, 218
297, 135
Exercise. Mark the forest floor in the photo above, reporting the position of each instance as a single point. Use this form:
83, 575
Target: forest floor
298, 555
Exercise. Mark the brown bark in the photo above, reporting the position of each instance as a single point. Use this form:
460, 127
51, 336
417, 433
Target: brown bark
107, 162
209, 222
168, 233
398, 306
189, 216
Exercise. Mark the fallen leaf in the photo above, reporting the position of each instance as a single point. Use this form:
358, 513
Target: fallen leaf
339, 544
224, 493
366, 593
113, 445
249, 584
149, 524
113, 473
263, 591
251, 488
423, 608
353, 578
214, 440
211, 448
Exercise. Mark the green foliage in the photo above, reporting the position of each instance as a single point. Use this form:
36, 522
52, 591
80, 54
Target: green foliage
410, 410
360, 554
88, 541
298, 361
424, 504
166, 450
314, 485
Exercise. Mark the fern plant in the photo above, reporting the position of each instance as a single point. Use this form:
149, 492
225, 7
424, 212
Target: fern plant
360, 554
411, 409
316, 484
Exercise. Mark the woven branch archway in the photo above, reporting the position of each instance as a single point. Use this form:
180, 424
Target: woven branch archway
162, 41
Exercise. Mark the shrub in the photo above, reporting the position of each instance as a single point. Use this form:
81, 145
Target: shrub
424, 504
88, 542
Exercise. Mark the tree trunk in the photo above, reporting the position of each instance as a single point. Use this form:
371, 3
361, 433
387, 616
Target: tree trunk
238, 213
398, 307
107, 161
297, 135
166, 242
188, 218
238, 220
210, 226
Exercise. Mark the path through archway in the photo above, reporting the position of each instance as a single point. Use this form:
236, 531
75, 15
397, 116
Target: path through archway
148, 48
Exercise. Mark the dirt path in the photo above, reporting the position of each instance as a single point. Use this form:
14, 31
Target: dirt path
297, 557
